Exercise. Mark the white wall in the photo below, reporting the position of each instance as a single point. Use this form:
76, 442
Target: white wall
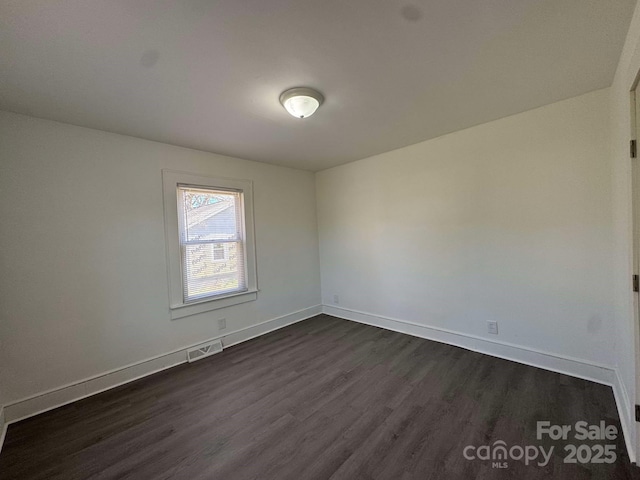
83, 286
508, 221
621, 133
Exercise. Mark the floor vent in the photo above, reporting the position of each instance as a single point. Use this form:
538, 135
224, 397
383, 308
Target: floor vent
204, 350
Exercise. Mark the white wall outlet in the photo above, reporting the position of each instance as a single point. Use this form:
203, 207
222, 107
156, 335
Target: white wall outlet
222, 323
492, 327
336, 299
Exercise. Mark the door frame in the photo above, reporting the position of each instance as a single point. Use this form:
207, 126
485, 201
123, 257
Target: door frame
635, 238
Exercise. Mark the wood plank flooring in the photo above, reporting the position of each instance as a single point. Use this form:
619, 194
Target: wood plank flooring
322, 399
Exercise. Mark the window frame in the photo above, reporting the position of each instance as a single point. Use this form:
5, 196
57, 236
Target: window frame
178, 307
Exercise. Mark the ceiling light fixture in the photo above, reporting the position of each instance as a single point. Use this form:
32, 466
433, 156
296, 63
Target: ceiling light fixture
301, 102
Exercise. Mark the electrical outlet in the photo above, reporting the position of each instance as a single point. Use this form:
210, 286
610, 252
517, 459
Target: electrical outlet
222, 323
492, 327
336, 299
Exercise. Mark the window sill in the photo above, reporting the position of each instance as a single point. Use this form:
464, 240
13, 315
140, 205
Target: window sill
188, 309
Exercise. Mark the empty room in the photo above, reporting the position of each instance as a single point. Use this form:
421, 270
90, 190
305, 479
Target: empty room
313, 240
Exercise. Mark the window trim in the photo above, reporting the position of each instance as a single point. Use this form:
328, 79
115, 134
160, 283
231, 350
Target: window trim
177, 306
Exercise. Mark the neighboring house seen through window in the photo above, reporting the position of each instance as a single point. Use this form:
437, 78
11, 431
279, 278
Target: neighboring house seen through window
210, 247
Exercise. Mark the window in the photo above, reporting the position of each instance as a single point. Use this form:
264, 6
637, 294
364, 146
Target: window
210, 223
210, 246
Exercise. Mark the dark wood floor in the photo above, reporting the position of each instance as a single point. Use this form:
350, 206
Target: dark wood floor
321, 399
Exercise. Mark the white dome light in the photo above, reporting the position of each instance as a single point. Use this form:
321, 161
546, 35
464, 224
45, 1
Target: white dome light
301, 102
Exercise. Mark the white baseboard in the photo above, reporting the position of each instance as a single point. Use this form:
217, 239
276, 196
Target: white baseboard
63, 395
36, 404
3, 427
574, 367
626, 414
508, 351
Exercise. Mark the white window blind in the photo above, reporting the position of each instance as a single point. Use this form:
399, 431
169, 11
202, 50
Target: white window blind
212, 247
